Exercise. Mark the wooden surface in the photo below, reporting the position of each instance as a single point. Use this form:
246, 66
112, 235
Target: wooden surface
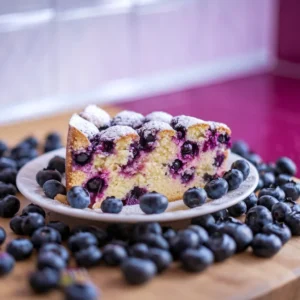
241, 277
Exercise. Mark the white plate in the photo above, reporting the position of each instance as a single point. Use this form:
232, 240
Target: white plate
130, 214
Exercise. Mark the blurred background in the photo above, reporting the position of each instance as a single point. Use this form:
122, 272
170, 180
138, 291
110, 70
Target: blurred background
235, 61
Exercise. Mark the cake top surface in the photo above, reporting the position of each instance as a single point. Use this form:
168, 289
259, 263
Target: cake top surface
84, 126
156, 125
159, 116
128, 118
185, 121
116, 132
96, 115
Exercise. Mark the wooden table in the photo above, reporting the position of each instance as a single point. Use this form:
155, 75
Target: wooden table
241, 277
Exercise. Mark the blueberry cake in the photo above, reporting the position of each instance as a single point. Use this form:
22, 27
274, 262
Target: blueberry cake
131, 154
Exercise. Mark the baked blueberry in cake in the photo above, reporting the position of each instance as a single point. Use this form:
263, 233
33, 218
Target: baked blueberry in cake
129, 155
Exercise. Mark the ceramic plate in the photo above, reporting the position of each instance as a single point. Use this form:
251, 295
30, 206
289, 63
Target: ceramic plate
130, 214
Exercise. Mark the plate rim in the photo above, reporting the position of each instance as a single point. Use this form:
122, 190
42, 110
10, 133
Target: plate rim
93, 215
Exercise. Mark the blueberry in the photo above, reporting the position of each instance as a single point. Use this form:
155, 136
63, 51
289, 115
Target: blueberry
240, 232
257, 217
161, 258
292, 220
147, 140
291, 190
111, 205
114, 255
145, 228
267, 201
279, 229
216, 188
260, 185
88, 257
292, 204
254, 158
137, 270
56, 249
277, 193
286, 166
139, 250
94, 185
31, 222
197, 260
43, 281
222, 246
176, 165
45, 235
23, 150
7, 189
81, 240
57, 163
2, 235
183, 240
33, 208
169, 234
45, 175
282, 179
7, 163
78, 197
53, 142
194, 197
153, 203
220, 214
22, 162
9, 206
280, 210
15, 225
201, 232
100, 234
50, 260
20, 248
61, 227
3, 148
153, 240
53, 187
81, 291
8, 176
268, 179
31, 141
206, 221
7, 263
189, 149
242, 166
82, 158
240, 148
251, 201
238, 209
266, 245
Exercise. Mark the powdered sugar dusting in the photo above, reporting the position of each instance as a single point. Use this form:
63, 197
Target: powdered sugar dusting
96, 115
84, 126
217, 125
156, 125
185, 121
116, 132
128, 118
159, 116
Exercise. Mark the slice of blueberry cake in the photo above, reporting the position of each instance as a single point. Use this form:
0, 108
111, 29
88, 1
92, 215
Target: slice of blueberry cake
129, 155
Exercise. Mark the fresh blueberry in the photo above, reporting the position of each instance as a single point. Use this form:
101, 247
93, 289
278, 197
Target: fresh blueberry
15, 225
57, 163
100, 234
7, 163
216, 188
3, 148
53, 187
161, 258
240, 148
267, 201
32, 208
88, 257
194, 197
81, 291
137, 270
266, 245
7, 263
291, 190
238, 209
240, 232
31, 222
22, 162
141, 229
45, 235
56, 249
254, 158
251, 201
44, 281
257, 217
50, 260
222, 245
78, 197
169, 234
20, 248
280, 210
153, 240
23, 150
242, 166
197, 260
61, 227
208, 222
2, 235
153, 203
292, 220
53, 142
234, 179
31, 141
279, 229
123, 244
277, 193
260, 185
45, 175
292, 204
201, 232
283, 178
8, 176
139, 250
114, 255
285, 165
81, 240
268, 179
220, 214
111, 205
9, 206
7, 189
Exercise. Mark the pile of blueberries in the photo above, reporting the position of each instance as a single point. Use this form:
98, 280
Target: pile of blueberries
145, 250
